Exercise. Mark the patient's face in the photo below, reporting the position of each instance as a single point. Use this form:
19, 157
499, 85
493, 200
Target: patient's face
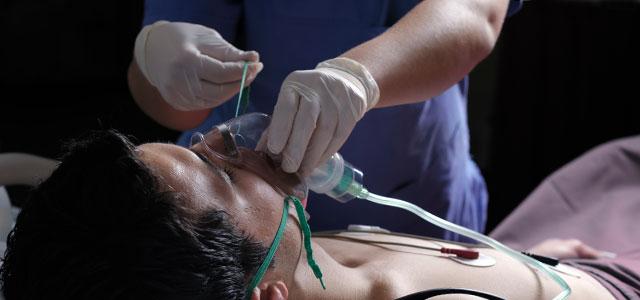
253, 204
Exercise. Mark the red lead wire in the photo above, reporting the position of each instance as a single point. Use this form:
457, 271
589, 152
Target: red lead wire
468, 254
462, 253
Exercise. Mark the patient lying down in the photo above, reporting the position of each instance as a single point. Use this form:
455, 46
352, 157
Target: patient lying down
160, 221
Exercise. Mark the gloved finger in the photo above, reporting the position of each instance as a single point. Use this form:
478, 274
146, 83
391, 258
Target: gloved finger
183, 94
224, 51
303, 127
253, 69
262, 142
216, 71
194, 88
214, 94
282, 120
176, 99
322, 136
342, 132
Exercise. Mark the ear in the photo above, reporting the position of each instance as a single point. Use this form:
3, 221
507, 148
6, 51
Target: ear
270, 291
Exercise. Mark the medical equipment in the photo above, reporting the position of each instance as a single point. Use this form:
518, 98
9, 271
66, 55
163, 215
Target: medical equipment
192, 67
306, 232
234, 142
467, 254
336, 178
483, 261
317, 110
543, 259
341, 181
243, 95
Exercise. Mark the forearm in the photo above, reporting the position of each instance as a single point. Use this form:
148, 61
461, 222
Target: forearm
150, 101
431, 48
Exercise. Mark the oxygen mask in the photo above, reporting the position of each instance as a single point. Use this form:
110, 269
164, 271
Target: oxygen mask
236, 142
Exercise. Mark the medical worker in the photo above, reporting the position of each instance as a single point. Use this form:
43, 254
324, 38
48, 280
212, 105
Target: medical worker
381, 81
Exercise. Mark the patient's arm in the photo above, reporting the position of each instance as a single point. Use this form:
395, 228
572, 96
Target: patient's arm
571, 248
24, 169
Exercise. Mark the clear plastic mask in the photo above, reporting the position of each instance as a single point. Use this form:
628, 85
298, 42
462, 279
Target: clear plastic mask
236, 142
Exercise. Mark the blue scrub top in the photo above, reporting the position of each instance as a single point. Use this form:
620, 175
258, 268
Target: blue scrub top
417, 152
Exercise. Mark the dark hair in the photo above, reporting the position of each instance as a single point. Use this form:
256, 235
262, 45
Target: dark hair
102, 227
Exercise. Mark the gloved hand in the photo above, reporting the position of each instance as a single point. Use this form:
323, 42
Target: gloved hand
192, 66
317, 110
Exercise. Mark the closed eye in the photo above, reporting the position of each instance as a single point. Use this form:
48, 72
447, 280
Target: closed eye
225, 173
202, 157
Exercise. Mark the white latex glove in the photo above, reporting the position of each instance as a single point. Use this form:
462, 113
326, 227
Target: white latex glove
317, 110
192, 66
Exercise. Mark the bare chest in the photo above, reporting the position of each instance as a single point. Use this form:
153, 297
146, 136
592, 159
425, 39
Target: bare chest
399, 266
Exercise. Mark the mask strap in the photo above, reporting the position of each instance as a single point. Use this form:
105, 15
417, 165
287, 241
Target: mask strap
243, 95
272, 251
306, 233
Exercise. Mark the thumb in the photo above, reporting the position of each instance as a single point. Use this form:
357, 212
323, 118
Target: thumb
254, 69
262, 142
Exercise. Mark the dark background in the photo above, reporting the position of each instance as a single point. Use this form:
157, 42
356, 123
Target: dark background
561, 80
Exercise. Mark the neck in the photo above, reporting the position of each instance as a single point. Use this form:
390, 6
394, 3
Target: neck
342, 281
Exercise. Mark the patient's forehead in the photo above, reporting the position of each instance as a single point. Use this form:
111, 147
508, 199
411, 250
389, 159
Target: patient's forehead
182, 171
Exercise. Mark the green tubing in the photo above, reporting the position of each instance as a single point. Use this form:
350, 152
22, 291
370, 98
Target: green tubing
243, 95
306, 232
272, 251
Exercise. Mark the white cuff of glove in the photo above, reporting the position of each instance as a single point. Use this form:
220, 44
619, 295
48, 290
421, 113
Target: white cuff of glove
354, 70
140, 49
